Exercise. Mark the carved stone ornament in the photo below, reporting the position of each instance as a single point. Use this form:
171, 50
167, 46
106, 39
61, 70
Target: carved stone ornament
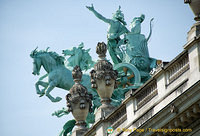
101, 50
77, 74
103, 69
103, 77
79, 102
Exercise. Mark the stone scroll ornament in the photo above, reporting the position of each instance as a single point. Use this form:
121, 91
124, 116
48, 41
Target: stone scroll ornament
79, 102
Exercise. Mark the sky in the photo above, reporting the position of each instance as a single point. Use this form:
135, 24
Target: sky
62, 24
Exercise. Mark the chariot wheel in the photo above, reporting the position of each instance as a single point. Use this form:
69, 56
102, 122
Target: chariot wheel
128, 75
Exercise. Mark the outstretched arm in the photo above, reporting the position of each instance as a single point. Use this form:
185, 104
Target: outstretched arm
98, 15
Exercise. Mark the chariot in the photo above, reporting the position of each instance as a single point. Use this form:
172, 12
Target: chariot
135, 64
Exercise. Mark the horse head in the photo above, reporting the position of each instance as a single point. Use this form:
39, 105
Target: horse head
36, 62
48, 59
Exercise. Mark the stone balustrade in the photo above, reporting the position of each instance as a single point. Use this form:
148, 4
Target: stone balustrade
178, 68
146, 94
118, 117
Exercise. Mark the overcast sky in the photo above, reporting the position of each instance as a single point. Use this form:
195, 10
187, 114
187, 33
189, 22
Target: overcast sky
62, 24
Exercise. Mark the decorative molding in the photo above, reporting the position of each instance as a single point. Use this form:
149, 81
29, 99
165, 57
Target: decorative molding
144, 118
187, 119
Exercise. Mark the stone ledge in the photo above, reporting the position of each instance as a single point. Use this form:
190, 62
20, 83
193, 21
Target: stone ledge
191, 42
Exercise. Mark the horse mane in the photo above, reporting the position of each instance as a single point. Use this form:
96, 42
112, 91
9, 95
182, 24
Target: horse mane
59, 59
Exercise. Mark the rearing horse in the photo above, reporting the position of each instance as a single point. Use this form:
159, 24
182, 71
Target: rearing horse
58, 74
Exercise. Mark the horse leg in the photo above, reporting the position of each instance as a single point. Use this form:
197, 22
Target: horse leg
44, 84
51, 86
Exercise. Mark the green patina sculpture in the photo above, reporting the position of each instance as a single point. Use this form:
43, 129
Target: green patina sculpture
58, 74
136, 42
67, 128
61, 112
115, 30
129, 54
136, 51
80, 57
